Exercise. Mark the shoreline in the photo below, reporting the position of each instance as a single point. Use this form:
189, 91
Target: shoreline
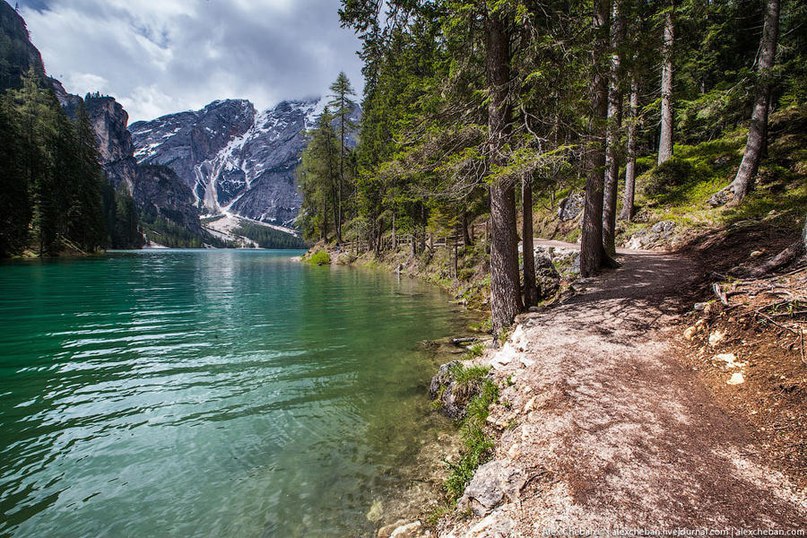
599, 405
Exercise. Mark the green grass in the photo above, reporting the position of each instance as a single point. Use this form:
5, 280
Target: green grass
477, 444
698, 171
320, 257
465, 375
475, 351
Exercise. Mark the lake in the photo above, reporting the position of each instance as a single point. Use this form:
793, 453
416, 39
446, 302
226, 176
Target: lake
209, 393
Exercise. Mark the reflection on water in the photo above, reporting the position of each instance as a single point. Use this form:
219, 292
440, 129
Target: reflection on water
207, 393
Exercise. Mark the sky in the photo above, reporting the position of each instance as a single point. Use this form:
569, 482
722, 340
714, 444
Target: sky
162, 56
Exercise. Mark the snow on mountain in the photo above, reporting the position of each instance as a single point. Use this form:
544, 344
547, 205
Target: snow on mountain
236, 161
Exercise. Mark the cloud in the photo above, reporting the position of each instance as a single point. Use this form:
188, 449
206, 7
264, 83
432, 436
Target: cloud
158, 57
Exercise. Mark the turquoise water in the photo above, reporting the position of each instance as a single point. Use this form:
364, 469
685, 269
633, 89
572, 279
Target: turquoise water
208, 393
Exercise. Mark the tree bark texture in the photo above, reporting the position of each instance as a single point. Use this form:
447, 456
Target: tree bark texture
665, 146
530, 288
628, 199
592, 253
505, 289
757, 132
613, 134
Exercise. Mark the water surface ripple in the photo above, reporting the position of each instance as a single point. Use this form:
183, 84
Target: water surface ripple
207, 393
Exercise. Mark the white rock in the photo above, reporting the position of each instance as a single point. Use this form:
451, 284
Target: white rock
730, 359
492, 526
690, 332
737, 378
716, 337
410, 530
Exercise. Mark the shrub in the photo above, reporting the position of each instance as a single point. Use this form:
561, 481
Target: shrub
320, 257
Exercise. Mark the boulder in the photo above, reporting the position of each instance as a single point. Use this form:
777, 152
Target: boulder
454, 397
721, 197
493, 483
493, 526
410, 530
571, 206
547, 277
658, 234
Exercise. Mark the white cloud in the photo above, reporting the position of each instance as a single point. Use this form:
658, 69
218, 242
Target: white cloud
158, 57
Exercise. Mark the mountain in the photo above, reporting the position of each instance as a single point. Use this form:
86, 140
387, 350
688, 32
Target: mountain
17, 53
226, 161
237, 161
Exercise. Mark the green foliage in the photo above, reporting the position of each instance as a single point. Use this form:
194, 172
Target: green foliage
666, 177
319, 257
478, 445
466, 375
475, 351
50, 173
167, 233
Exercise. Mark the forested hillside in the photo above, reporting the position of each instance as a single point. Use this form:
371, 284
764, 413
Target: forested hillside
490, 113
55, 196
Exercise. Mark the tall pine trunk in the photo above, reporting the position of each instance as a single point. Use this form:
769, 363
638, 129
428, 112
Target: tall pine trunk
612, 137
592, 253
757, 132
530, 288
665, 146
505, 289
628, 199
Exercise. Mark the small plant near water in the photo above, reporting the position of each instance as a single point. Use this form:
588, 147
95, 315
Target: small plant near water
475, 351
465, 375
320, 257
477, 444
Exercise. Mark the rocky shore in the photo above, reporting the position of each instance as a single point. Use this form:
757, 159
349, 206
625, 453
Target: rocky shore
600, 423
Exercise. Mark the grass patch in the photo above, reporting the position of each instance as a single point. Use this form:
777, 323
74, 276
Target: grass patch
475, 351
478, 445
320, 257
465, 375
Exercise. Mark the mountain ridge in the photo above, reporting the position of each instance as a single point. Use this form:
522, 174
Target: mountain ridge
237, 160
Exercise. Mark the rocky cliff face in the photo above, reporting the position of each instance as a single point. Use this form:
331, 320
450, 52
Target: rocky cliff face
235, 160
159, 193
17, 53
114, 142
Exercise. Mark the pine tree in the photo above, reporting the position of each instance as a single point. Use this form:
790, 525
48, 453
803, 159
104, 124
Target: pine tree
15, 204
342, 106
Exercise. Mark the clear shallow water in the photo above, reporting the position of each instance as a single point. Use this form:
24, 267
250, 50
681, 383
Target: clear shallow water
207, 393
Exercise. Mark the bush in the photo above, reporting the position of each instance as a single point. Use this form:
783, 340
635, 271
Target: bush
320, 257
666, 177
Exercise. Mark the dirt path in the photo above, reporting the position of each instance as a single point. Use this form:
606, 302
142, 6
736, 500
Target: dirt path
603, 427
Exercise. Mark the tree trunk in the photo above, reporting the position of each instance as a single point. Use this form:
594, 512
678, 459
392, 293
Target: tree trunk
394, 236
665, 146
467, 241
592, 253
530, 288
612, 135
757, 132
325, 221
628, 200
505, 289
